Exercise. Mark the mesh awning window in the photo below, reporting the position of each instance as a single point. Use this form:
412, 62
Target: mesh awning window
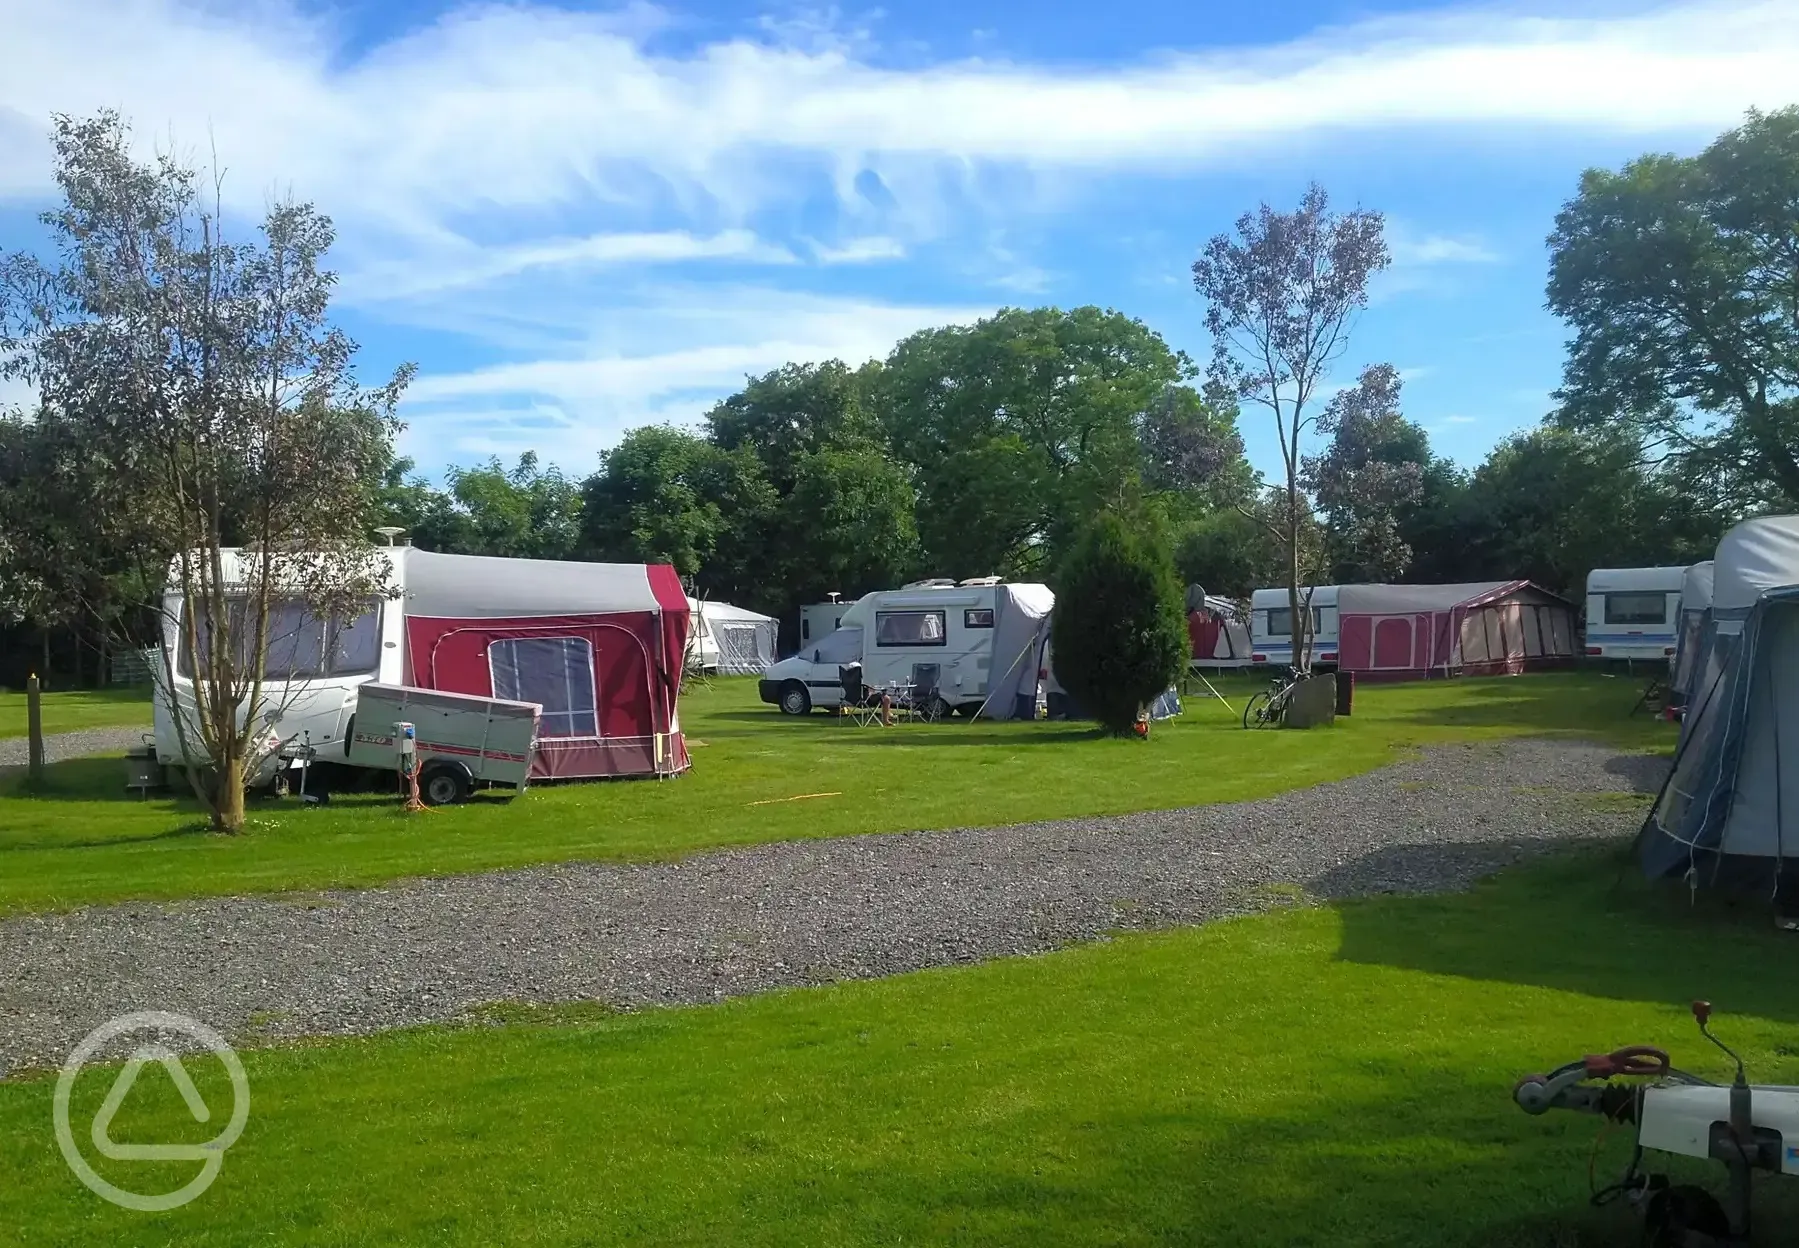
554, 672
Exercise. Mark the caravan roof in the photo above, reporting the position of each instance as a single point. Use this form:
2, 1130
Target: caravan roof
1696, 587
1754, 557
1611, 580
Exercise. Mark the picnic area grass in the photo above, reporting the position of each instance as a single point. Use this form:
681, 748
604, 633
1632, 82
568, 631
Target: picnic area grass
761, 776
122, 707
1314, 1076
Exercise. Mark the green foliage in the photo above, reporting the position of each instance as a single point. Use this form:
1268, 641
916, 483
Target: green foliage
1368, 477
849, 525
1019, 427
1551, 505
1119, 631
1680, 277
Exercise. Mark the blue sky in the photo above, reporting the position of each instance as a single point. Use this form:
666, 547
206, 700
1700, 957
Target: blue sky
579, 218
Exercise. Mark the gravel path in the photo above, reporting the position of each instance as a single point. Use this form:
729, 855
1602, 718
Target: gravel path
16, 751
747, 920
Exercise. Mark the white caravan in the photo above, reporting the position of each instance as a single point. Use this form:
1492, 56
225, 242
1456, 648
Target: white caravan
1633, 613
987, 640
729, 641
1271, 627
312, 669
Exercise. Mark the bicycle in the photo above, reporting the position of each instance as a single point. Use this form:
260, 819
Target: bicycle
1268, 709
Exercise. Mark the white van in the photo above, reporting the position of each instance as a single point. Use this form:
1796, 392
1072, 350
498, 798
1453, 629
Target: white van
1271, 627
1633, 613
984, 638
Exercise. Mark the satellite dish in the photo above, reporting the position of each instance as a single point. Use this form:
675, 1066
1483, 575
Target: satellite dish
390, 531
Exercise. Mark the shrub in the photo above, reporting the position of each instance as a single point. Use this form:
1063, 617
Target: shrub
1119, 635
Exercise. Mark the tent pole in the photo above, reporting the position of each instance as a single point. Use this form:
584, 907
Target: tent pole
1214, 691
1010, 668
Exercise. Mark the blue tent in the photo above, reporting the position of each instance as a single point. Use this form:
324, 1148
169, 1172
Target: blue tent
1729, 811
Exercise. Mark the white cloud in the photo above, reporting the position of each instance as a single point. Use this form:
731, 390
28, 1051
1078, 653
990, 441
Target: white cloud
861, 251
461, 263
492, 109
667, 357
1413, 250
1461, 420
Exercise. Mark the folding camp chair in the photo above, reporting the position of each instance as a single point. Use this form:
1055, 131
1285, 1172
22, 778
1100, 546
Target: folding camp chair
858, 706
923, 699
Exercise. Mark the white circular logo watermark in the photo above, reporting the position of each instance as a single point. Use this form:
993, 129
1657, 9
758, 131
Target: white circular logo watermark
211, 1154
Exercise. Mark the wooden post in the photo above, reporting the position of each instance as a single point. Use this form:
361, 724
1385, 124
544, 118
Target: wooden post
34, 728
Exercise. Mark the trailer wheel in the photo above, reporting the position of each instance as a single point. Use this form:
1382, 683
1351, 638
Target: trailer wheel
444, 783
794, 699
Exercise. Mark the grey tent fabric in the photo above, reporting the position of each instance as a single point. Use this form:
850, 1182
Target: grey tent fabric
1695, 602
1020, 638
1730, 808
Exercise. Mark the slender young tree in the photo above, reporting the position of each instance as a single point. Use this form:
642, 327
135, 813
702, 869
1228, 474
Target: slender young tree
1281, 297
204, 374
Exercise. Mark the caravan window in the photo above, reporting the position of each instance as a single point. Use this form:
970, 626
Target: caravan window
301, 645
1650, 608
1280, 621
909, 628
978, 617
556, 673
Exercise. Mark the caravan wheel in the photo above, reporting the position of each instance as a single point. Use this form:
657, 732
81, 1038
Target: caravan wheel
443, 783
794, 699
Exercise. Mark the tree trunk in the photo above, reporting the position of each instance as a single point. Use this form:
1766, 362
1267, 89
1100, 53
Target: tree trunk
45, 636
228, 794
1301, 616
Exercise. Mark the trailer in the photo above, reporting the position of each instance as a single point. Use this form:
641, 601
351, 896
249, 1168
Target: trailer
458, 740
1632, 613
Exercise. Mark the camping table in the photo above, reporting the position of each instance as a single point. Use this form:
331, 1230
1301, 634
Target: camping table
900, 692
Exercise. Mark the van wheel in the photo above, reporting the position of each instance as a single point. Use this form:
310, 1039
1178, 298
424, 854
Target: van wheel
442, 784
794, 699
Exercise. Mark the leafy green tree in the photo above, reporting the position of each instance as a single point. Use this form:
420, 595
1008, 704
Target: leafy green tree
1021, 426
429, 515
1192, 451
1551, 505
524, 512
1370, 473
1680, 277
1280, 300
795, 411
849, 526
1119, 632
664, 495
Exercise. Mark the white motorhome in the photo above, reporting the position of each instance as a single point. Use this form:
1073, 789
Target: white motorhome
1271, 627
1633, 613
986, 639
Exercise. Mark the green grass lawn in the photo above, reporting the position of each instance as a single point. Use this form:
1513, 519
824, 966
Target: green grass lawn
78, 708
1315, 1076
83, 840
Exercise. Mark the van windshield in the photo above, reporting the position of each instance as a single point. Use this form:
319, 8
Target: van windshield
842, 646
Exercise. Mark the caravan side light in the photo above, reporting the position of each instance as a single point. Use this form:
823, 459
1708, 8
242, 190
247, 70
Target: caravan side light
1595, 650
1258, 658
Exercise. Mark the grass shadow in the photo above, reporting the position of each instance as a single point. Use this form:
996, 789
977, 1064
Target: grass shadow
1595, 926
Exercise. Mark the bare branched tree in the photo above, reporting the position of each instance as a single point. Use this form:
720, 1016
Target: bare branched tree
204, 375
1281, 297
